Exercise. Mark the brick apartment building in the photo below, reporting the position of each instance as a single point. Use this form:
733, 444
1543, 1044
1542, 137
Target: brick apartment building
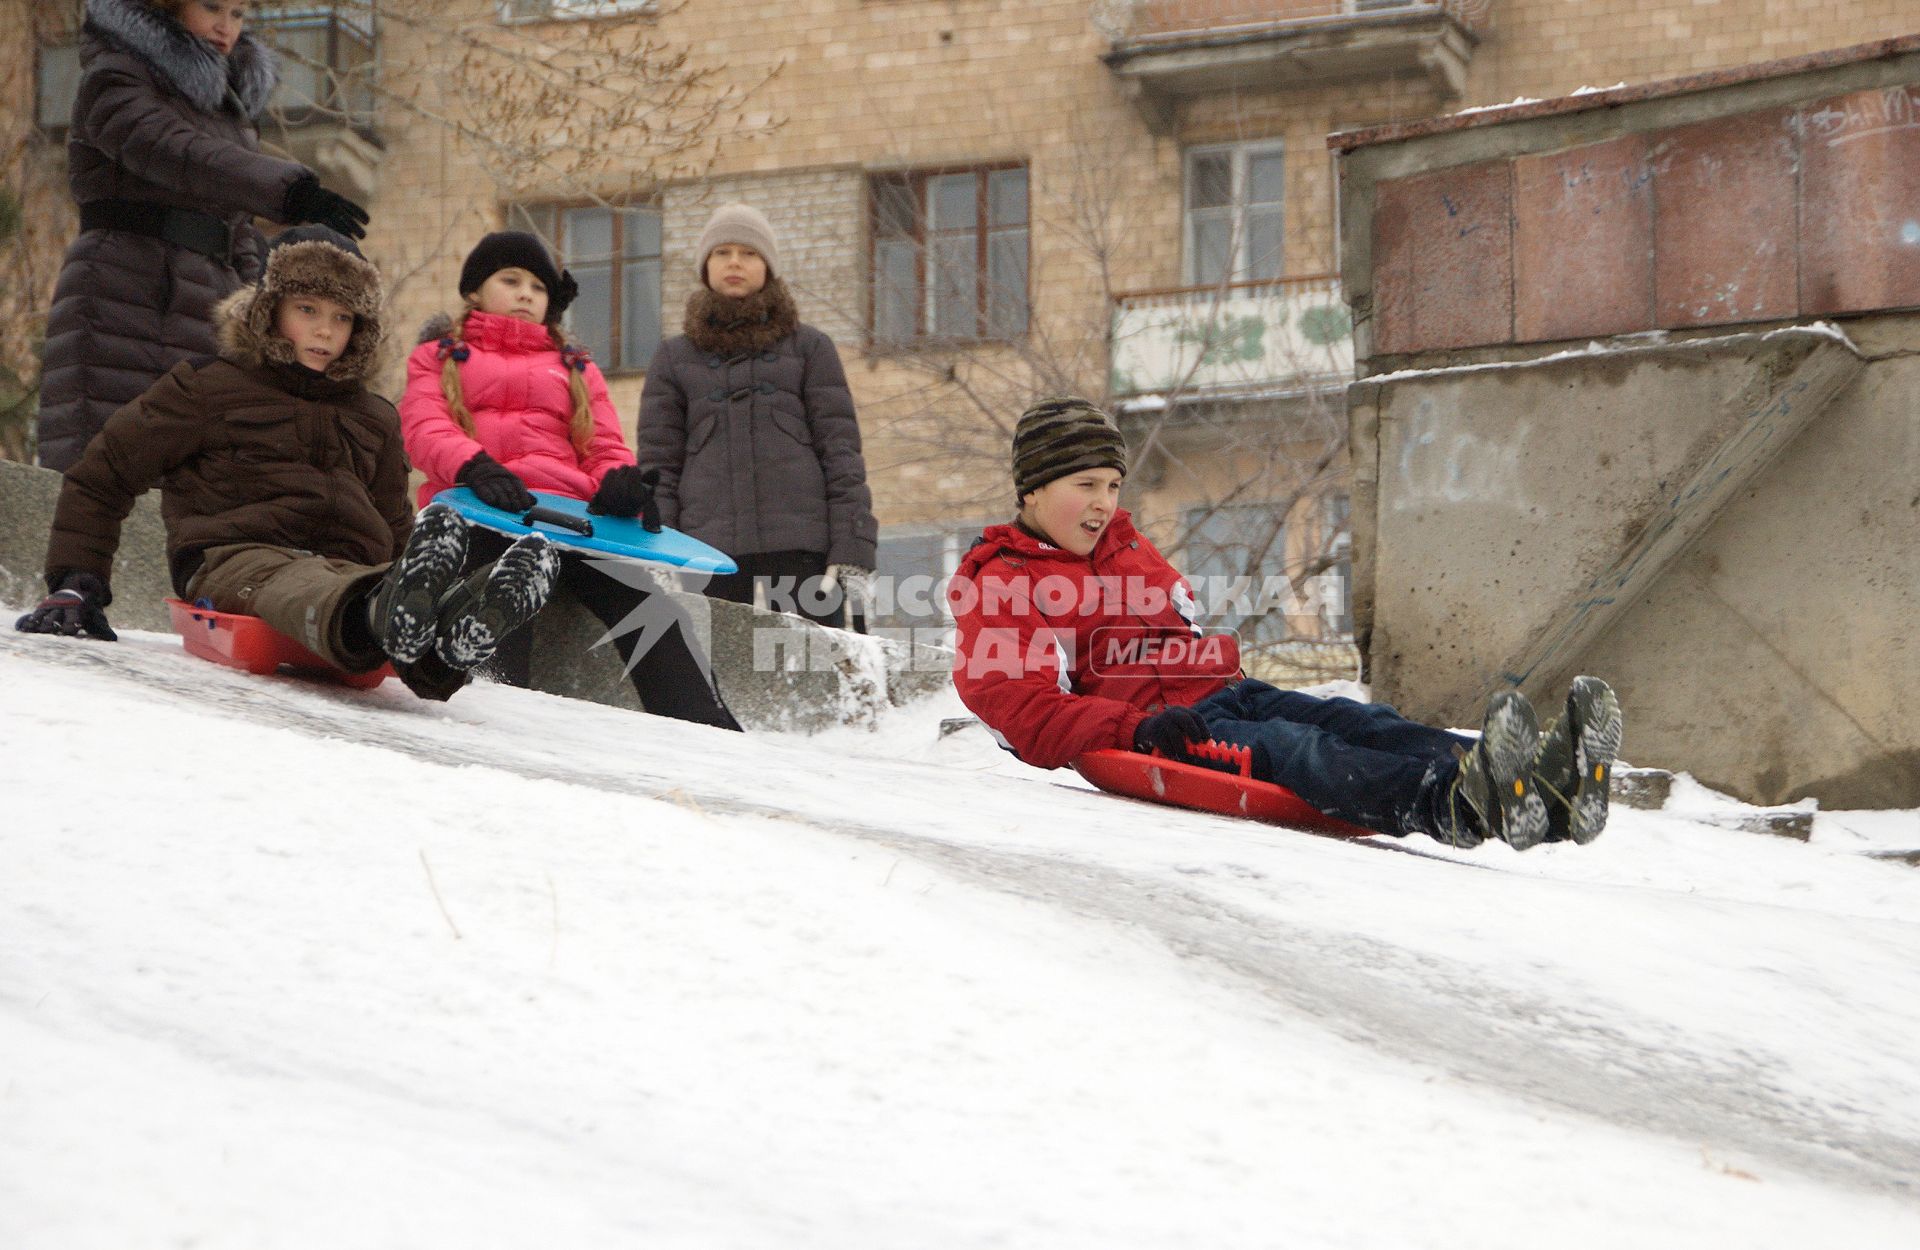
980, 200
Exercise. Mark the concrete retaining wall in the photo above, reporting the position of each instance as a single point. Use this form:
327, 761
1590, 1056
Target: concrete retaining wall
1722, 519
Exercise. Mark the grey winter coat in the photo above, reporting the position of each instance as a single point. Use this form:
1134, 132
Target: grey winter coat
161, 118
748, 418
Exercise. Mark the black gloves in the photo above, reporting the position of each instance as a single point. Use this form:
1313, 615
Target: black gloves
496, 485
307, 200
628, 491
1169, 732
76, 608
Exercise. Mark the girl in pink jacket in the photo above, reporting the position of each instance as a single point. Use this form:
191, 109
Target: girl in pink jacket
502, 402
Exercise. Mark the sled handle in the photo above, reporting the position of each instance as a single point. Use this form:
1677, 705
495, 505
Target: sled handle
553, 516
1215, 754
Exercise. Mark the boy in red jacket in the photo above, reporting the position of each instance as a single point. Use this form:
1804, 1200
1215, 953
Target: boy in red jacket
1075, 635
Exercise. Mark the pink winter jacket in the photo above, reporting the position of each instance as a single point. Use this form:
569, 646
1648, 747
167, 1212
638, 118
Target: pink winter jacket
515, 385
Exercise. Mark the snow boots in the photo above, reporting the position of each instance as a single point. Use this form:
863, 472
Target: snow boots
1493, 794
1571, 768
494, 601
423, 606
405, 608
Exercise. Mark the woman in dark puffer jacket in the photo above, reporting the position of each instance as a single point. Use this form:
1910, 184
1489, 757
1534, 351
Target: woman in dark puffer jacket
748, 419
163, 158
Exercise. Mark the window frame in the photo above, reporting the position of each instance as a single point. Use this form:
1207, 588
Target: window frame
1239, 210
66, 48
522, 215
926, 288
354, 103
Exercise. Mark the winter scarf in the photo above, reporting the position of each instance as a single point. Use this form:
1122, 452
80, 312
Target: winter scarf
727, 325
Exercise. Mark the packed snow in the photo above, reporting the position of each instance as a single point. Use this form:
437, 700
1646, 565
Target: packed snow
284, 965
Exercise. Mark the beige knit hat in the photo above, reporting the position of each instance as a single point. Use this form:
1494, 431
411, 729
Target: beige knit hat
738, 223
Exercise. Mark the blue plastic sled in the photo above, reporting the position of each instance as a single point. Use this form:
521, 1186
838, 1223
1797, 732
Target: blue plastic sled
568, 523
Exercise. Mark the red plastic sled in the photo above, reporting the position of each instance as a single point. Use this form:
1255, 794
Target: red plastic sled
1180, 784
250, 644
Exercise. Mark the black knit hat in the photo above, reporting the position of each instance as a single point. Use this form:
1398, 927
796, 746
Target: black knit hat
516, 249
1062, 435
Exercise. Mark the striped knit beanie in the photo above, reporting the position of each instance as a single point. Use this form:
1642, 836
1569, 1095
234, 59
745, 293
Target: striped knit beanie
1062, 435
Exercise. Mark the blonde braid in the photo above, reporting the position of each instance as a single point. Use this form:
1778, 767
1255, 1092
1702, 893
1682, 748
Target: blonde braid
450, 375
580, 430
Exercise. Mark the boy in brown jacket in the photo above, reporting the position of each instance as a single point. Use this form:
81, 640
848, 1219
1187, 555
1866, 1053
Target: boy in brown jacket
284, 490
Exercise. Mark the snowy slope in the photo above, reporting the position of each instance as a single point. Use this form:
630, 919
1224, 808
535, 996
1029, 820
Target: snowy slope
287, 966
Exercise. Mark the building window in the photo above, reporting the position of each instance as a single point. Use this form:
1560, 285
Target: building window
327, 63
568, 10
1235, 215
949, 255
916, 561
1228, 543
58, 83
614, 254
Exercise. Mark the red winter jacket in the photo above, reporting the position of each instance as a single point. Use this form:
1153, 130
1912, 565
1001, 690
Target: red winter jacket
515, 385
1061, 654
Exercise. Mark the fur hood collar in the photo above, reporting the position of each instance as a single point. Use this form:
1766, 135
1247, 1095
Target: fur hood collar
194, 68
493, 333
727, 325
245, 318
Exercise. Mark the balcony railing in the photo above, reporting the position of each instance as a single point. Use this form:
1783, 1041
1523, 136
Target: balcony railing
1164, 51
1145, 19
1289, 333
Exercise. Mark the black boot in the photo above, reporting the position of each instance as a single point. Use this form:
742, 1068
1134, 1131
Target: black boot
1572, 768
402, 613
494, 601
1492, 795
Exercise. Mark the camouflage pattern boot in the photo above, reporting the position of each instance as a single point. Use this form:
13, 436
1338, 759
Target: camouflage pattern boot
1493, 794
1572, 768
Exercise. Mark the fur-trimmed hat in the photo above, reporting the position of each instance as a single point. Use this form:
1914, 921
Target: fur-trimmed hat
307, 260
516, 249
1061, 435
743, 224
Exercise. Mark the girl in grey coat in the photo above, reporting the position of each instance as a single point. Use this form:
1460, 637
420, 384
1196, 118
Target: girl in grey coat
163, 157
748, 419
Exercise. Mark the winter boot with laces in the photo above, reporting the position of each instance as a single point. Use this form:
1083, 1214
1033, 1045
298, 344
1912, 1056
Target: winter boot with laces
1572, 768
404, 610
1493, 793
479, 612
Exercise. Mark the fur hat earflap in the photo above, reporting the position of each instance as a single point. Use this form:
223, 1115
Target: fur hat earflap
320, 263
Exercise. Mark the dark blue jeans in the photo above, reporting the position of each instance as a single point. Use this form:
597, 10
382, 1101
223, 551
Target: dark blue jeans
1362, 762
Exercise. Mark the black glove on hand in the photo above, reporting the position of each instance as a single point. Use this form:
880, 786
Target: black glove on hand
1169, 732
628, 491
307, 200
74, 609
496, 485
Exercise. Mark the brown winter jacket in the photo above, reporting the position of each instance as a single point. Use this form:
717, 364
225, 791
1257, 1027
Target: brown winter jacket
749, 420
248, 448
161, 118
